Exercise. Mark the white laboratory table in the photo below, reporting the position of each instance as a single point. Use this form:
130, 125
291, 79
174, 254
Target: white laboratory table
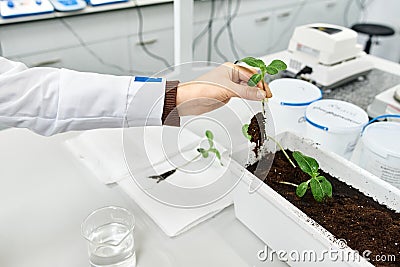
45, 194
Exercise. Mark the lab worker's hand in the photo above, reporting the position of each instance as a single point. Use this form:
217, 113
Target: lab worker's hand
216, 88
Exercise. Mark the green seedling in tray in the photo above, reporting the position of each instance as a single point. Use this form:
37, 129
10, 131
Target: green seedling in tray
321, 188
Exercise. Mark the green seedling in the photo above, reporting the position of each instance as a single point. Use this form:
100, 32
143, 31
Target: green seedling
203, 152
273, 68
320, 187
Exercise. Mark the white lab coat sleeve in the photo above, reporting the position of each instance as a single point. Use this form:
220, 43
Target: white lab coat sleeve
50, 100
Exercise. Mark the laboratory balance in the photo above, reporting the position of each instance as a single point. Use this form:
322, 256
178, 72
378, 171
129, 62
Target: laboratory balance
326, 55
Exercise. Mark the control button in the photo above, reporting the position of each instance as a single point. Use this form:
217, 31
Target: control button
68, 2
38, 2
10, 4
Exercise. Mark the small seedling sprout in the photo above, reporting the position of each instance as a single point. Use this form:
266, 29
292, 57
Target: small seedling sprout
203, 152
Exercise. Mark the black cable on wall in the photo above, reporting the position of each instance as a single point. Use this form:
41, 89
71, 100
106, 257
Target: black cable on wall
93, 53
207, 29
227, 26
231, 17
141, 40
210, 23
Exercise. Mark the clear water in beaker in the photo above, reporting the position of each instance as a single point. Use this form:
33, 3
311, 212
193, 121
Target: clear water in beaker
109, 232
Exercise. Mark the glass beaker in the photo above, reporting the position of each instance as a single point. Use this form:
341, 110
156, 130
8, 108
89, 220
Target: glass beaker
109, 232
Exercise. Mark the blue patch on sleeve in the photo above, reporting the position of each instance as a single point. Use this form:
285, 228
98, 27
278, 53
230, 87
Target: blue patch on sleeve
147, 79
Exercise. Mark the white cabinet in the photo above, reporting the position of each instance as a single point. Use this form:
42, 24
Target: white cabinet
35, 37
222, 47
94, 58
284, 22
200, 44
211, 42
105, 42
100, 26
121, 23
108, 42
253, 33
260, 27
326, 11
159, 43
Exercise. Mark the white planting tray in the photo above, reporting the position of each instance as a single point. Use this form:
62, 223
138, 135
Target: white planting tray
282, 226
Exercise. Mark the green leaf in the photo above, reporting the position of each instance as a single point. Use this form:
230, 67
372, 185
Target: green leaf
306, 164
245, 130
203, 152
278, 64
254, 62
326, 186
271, 70
255, 79
301, 189
210, 138
209, 135
317, 190
216, 152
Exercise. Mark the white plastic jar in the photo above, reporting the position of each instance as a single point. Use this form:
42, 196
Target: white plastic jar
290, 98
380, 151
336, 125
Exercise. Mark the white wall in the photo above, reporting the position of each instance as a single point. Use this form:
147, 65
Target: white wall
385, 12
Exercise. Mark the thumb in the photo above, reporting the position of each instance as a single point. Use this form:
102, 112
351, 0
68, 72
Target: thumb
248, 92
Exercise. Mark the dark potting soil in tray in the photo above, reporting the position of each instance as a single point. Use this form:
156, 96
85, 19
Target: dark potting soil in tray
349, 214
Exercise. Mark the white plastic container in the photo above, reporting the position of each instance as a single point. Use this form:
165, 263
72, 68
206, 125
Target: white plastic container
283, 227
290, 98
380, 151
335, 125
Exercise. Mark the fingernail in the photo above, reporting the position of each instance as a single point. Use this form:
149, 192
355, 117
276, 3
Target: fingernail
261, 94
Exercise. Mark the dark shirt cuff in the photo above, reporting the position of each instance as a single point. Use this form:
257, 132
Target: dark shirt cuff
170, 114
